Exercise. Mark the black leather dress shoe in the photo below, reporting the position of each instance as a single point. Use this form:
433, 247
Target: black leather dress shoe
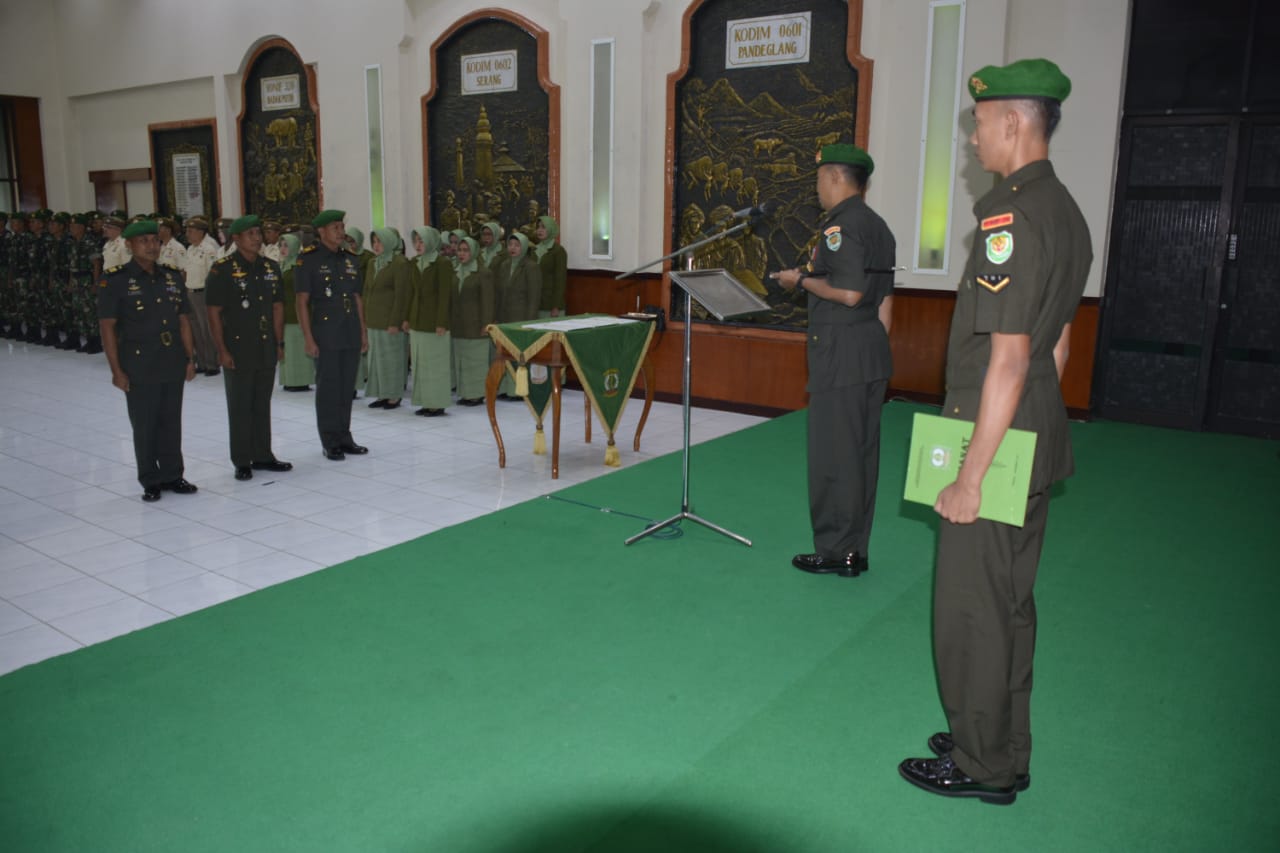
273, 465
471, 401
387, 404
378, 404
297, 387
244, 473
848, 566
334, 453
430, 413
213, 371
941, 776
356, 449
151, 494
179, 487
940, 743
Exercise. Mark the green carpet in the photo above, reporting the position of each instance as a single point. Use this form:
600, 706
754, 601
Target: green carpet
523, 682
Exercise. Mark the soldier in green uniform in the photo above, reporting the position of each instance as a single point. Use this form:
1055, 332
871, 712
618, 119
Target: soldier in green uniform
553, 260
142, 311
473, 309
388, 284
38, 302
850, 287
6, 297
327, 280
297, 371
1005, 357
62, 311
19, 271
430, 308
244, 293
84, 317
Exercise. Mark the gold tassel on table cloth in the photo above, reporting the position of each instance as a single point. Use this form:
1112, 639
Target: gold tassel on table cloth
612, 457
522, 382
539, 441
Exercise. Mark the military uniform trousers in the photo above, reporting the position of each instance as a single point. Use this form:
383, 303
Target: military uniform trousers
249, 413
335, 378
984, 635
844, 464
155, 412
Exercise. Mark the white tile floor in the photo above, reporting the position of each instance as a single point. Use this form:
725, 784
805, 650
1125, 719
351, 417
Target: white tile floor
83, 559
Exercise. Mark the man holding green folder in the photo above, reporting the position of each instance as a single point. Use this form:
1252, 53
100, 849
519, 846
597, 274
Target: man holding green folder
1008, 347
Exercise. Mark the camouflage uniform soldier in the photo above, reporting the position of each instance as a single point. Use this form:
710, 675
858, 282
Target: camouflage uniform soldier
6, 298
20, 251
84, 299
61, 315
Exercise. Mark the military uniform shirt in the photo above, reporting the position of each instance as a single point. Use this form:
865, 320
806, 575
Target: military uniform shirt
854, 239
332, 281
247, 293
146, 307
1026, 274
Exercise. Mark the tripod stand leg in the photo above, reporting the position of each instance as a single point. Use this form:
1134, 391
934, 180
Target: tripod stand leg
654, 528
718, 529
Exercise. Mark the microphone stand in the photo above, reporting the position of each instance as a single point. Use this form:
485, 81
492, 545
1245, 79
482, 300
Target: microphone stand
684, 512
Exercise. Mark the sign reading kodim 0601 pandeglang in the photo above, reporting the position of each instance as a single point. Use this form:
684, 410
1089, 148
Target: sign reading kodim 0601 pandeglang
774, 40
483, 73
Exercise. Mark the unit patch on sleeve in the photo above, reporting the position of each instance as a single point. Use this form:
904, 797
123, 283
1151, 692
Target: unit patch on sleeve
999, 247
833, 238
999, 221
994, 283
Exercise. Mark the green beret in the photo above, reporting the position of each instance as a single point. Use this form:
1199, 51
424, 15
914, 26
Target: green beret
80, 218
850, 155
328, 217
4, 217
137, 229
42, 215
119, 214
244, 223
62, 216
1026, 78
113, 221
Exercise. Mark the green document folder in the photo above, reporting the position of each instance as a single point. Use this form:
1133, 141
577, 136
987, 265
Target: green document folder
938, 446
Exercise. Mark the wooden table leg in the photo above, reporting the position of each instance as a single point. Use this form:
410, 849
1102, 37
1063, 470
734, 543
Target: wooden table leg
555, 424
646, 372
586, 415
491, 382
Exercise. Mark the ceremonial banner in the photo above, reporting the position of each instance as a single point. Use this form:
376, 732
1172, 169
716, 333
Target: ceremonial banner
606, 353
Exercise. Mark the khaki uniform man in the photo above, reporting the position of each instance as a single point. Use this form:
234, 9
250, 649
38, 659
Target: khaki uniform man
197, 260
1005, 357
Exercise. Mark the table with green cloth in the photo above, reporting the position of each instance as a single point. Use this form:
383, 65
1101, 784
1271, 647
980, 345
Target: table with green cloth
606, 353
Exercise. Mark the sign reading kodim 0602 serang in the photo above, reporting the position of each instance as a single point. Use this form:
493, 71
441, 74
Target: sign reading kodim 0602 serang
775, 40
489, 72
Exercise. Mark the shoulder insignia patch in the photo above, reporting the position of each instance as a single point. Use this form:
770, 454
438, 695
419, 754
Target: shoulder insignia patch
833, 238
999, 221
308, 250
113, 270
994, 283
999, 247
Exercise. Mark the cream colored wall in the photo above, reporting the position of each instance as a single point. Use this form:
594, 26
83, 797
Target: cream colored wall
96, 103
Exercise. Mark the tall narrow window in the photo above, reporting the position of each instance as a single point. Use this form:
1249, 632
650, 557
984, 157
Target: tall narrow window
602, 148
8, 181
377, 183
939, 135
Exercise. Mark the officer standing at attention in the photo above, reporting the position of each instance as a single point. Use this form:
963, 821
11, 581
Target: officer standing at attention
1008, 347
327, 280
142, 314
244, 294
850, 285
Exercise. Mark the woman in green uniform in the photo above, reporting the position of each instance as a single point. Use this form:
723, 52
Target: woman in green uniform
386, 305
430, 343
473, 309
518, 281
297, 371
554, 262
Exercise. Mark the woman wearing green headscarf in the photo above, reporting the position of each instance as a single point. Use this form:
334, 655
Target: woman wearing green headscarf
430, 344
472, 311
355, 242
455, 238
388, 283
297, 371
518, 282
554, 263
491, 248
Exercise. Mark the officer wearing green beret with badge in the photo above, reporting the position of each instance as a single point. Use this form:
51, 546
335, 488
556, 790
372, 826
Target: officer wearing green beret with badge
327, 282
142, 315
244, 294
850, 292
1005, 357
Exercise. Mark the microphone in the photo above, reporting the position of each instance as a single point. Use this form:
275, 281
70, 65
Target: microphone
766, 209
